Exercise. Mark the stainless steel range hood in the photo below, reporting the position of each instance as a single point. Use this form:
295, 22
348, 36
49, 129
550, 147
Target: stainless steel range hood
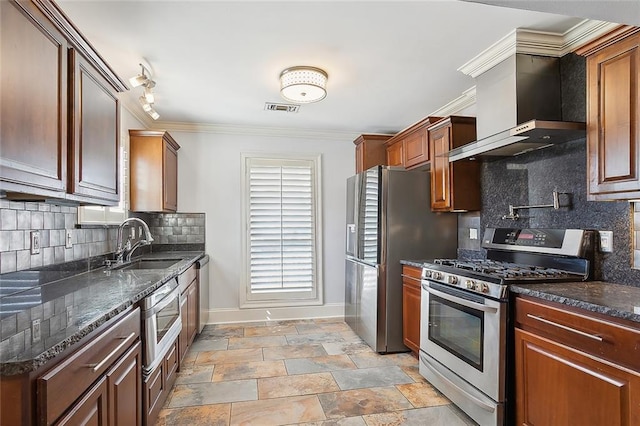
519, 106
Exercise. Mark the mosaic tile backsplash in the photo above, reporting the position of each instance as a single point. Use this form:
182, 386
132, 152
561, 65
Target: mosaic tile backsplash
18, 219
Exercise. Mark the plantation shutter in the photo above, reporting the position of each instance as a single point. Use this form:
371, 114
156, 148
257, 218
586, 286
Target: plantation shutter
281, 229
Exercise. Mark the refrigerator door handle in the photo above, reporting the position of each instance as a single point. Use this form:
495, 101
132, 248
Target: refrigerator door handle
363, 262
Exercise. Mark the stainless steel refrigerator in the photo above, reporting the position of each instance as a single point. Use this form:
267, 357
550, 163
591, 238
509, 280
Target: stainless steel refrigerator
389, 218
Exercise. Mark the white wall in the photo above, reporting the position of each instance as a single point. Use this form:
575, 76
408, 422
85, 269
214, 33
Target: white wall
209, 181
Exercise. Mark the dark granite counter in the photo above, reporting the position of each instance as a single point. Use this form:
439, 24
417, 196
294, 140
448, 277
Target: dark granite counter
71, 307
616, 300
416, 263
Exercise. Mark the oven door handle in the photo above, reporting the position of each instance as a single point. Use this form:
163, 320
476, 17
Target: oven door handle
442, 377
163, 303
460, 301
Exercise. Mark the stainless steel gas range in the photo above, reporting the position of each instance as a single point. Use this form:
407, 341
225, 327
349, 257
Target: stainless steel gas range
464, 335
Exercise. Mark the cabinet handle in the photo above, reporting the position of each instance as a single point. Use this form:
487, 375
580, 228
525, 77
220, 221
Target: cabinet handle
564, 327
118, 348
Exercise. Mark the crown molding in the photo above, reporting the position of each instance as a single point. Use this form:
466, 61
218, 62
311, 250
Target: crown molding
230, 129
533, 42
467, 99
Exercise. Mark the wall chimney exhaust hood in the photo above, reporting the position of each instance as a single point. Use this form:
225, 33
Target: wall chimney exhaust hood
519, 108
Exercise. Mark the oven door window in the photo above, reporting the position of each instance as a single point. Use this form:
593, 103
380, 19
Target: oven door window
458, 329
166, 317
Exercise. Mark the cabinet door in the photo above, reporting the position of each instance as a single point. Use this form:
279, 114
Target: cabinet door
416, 149
183, 339
394, 154
33, 102
192, 316
613, 120
411, 314
170, 178
124, 382
91, 409
95, 138
359, 157
557, 385
440, 140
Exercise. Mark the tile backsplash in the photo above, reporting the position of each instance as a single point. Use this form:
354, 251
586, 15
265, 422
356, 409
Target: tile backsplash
18, 219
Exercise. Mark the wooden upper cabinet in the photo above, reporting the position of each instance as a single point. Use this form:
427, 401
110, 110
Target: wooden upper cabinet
454, 186
394, 154
370, 151
153, 160
613, 115
58, 108
410, 147
415, 149
94, 134
33, 101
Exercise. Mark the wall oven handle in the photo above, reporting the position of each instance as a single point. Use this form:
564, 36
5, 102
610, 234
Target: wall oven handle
566, 328
460, 301
97, 366
442, 377
162, 304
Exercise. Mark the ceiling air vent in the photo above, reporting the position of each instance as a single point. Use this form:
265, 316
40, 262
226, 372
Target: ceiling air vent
281, 107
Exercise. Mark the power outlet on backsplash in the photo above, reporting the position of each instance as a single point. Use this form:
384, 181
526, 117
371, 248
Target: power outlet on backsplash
606, 241
35, 242
35, 331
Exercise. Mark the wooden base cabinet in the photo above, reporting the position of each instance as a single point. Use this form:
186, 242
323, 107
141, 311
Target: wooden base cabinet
613, 114
411, 297
158, 384
189, 309
566, 376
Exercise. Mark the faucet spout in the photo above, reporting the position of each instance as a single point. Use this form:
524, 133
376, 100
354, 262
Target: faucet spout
124, 250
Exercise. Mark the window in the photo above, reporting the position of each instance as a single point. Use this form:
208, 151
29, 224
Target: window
282, 248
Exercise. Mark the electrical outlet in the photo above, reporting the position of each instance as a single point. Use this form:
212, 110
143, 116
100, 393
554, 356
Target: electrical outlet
35, 331
473, 234
68, 239
69, 315
606, 241
35, 242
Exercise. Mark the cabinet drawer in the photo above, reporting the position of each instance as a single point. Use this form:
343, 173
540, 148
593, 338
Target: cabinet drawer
411, 272
60, 387
576, 328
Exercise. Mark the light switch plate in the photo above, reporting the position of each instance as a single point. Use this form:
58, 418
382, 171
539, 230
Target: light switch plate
68, 241
35, 331
35, 242
606, 241
473, 234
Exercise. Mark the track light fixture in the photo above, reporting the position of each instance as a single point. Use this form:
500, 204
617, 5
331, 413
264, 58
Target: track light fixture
147, 99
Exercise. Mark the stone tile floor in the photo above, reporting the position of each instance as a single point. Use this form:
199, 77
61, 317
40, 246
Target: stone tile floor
308, 372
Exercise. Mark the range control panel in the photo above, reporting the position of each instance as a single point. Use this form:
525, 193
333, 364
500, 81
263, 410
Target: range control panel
550, 238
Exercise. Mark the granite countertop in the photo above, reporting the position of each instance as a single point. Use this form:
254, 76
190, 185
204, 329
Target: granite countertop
87, 299
620, 301
416, 263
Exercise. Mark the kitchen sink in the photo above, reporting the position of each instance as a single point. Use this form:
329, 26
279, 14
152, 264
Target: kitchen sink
148, 264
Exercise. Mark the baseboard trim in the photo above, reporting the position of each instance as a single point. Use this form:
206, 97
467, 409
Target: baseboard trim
223, 316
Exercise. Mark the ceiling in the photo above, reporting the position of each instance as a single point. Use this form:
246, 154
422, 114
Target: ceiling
217, 62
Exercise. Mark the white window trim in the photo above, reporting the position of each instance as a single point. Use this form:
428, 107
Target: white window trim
245, 282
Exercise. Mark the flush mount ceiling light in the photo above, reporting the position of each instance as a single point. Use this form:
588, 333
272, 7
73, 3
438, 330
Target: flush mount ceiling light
303, 84
147, 99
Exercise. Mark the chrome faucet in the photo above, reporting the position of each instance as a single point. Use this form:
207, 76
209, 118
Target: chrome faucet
125, 250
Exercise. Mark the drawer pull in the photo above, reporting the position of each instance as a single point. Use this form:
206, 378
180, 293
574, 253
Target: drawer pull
118, 348
564, 327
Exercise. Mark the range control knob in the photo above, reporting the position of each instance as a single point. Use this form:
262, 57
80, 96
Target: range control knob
452, 279
470, 284
436, 275
484, 288
427, 273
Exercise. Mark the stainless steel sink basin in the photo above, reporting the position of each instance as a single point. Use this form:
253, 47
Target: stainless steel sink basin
149, 264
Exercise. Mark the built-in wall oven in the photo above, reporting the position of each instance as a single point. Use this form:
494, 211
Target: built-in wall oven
161, 323
464, 335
